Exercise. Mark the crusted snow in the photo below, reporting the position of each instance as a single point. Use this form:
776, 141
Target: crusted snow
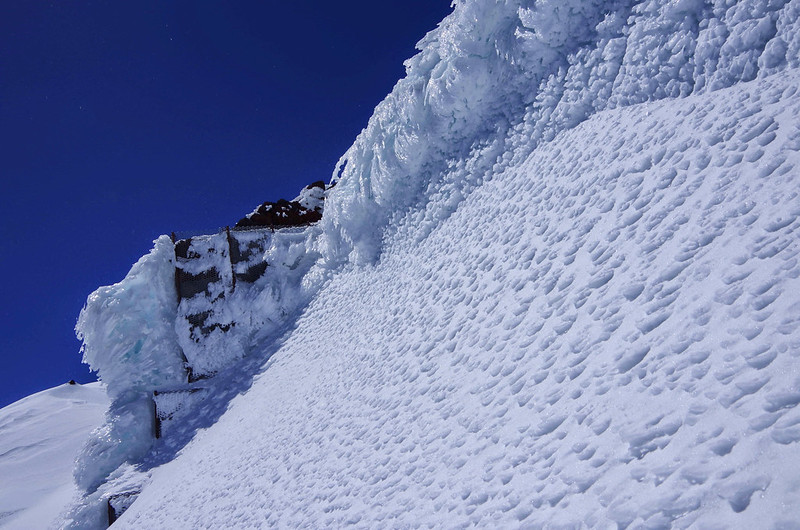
604, 333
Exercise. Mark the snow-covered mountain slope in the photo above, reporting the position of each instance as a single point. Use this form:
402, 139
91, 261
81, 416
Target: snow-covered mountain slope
40, 436
555, 282
605, 333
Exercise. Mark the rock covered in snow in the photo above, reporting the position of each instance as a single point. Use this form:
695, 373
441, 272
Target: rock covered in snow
312, 197
188, 310
303, 210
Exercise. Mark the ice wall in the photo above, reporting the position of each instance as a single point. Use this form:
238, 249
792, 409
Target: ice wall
252, 285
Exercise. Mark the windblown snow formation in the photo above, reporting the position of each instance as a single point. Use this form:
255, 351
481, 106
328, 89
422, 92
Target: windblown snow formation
557, 282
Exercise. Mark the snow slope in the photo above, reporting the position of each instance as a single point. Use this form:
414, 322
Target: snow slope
40, 436
555, 282
605, 333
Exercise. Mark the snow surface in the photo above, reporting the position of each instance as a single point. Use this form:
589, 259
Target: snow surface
605, 334
311, 198
555, 284
524, 70
40, 436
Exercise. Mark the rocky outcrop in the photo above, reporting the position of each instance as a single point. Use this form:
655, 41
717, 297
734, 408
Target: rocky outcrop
303, 210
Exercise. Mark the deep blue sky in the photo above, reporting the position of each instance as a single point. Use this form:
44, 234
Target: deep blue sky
120, 121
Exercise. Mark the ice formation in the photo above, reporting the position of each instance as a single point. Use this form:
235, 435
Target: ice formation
555, 283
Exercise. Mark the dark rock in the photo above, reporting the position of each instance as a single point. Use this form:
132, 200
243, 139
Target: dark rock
278, 215
252, 273
283, 213
182, 249
192, 284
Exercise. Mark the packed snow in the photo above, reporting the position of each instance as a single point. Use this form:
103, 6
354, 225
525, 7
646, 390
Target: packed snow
40, 436
555, 283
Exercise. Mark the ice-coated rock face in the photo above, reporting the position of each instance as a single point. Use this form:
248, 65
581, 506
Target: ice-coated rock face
305, 209
188, 310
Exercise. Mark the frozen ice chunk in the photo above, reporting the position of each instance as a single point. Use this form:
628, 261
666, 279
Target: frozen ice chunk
127, 328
